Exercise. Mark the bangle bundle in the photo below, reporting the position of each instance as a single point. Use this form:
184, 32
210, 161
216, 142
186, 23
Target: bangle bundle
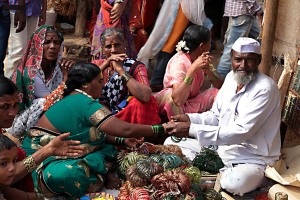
125, 77
158, 130
120, 141
188, 80
29, 164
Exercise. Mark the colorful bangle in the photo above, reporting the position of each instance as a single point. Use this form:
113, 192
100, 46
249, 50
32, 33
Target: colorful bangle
120, 141
29, 164
188, 80
125, 77
158, 130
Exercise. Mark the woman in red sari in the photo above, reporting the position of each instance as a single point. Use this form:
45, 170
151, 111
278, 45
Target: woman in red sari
126, 90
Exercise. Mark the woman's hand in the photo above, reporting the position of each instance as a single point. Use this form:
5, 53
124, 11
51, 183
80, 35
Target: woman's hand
65, 66
117, 11
133, 143
117, 57
118, 67
202, 62
60, 147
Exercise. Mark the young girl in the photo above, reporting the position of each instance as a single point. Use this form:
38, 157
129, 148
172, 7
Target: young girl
8, 159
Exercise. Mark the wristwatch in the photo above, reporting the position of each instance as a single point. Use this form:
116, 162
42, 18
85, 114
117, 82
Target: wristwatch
119, 1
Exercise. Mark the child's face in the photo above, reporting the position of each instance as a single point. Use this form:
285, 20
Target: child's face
7, 166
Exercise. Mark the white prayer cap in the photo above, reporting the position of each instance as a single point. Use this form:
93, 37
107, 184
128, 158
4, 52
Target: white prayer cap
246, 45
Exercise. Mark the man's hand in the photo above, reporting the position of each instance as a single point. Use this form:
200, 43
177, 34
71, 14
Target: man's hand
20, 20
178, 129
180, 118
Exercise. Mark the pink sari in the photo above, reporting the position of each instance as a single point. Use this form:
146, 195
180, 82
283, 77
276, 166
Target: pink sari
197, 102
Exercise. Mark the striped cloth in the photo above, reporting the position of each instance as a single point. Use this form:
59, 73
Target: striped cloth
235, 8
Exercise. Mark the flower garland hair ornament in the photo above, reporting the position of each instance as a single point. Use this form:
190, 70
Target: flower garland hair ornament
54, 96
181, 46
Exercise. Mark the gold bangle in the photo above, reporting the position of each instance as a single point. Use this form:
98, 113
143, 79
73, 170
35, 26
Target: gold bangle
29, 164
125, 77
188, 80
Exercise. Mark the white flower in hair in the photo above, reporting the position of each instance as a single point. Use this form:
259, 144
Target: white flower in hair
182, 45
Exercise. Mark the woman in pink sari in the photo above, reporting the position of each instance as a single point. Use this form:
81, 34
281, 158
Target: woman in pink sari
185, 74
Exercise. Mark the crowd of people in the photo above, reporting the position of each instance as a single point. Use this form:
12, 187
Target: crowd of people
72, 118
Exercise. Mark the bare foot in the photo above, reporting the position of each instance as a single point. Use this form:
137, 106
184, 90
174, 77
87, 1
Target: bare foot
112, 182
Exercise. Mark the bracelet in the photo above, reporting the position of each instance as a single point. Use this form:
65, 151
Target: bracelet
188, 80
29, 164
125, 77
213, 79
158, 130
120, 141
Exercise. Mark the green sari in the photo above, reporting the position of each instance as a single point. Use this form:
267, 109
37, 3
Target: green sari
82, 117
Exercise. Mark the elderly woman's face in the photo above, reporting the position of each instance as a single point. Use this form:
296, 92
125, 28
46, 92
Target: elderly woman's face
9, 105
113, 45
51, 47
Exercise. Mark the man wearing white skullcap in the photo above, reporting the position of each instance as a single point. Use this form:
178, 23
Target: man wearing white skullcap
243, 122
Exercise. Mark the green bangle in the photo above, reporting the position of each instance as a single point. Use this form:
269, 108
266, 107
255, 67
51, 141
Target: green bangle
213, 79
158, 130
120, 141
188, 80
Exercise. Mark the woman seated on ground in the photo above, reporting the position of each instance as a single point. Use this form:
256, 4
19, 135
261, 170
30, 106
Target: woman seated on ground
185, 75
12, 172
126, 89
81, 114
40, 72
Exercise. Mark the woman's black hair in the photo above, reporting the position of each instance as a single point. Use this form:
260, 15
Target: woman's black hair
6, 143
7, 87
79, 75
195, 35
111, 31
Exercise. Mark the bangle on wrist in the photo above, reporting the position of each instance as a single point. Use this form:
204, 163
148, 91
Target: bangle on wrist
188, 80
120, 141
158, 130
212, 79
125, 77
29, 164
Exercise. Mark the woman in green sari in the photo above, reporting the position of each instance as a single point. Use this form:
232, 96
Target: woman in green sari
93, 125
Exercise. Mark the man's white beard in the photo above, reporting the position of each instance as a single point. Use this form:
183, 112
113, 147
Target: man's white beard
244, 80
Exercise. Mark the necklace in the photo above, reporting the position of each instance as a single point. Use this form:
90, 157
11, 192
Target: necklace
84, 93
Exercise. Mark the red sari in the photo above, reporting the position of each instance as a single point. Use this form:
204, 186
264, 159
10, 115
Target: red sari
135, 111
